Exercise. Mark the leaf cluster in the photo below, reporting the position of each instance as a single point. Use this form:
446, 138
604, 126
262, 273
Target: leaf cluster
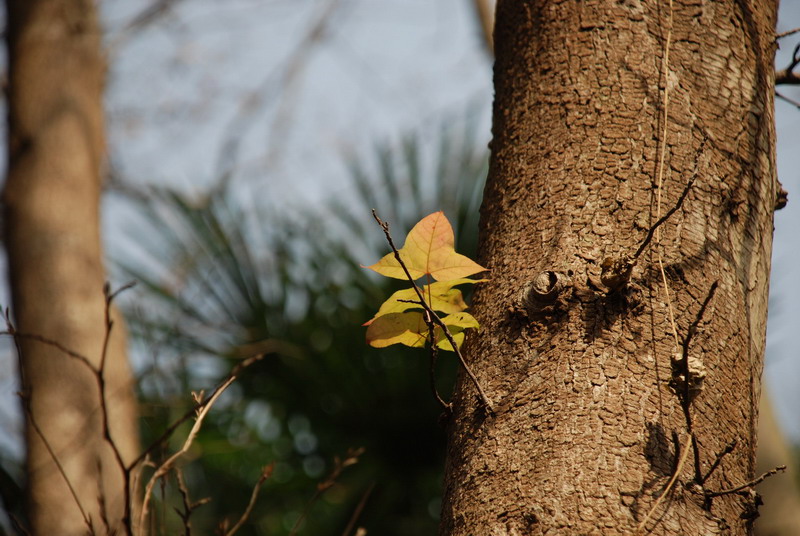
429, 252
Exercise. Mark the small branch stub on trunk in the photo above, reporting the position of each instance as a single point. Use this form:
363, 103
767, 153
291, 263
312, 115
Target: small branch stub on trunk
616, 272
543, 291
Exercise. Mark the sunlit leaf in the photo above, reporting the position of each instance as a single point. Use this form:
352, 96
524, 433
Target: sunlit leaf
429, 249
409, 328
440, 296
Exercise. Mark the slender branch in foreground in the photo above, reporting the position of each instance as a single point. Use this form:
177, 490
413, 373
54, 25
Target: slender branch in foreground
188, 506
330, 480
434, 317
787, 33
787, 76
26, 395
682, 460
750, 484
793, 102
199, 405
434, 353
663, 219
266, 472
357, 512
100, 377
727, 450
203, 407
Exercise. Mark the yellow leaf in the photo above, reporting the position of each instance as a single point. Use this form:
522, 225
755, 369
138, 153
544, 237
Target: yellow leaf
409, 328
429, 249
440, 296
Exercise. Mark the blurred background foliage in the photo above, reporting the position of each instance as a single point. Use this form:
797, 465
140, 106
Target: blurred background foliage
232, 281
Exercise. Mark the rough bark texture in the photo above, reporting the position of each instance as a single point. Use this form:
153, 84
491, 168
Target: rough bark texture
56, 148
582, 440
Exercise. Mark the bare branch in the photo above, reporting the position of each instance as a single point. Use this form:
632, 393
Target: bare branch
750, 484
26, 404
330, 480
148, 16
727, 450
682, 460
188, 506
357, 512
266, 472
202, 408
664, 218
784, 98
787, 76
787, 33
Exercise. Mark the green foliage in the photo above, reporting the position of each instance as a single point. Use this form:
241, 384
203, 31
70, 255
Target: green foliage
222, 283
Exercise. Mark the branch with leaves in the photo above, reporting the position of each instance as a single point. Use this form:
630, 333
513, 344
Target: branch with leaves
429, 252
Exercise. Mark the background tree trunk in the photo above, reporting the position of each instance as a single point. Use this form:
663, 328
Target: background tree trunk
56, 149
586, 429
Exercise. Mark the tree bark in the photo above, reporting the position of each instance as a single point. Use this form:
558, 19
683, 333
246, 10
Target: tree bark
591, 411
56, 149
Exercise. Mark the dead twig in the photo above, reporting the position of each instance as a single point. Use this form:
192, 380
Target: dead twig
433, 316
784, 98
330, 480
25, 396
100, 377
746, 485
664, 218
266, 472
188, 505
203, 406
727, 450
787, 33
357, 512
693, 374
434, 353
787, 76
681, 460
199, 405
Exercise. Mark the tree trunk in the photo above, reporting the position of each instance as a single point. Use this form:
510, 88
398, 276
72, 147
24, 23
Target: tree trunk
56, 149
585, 371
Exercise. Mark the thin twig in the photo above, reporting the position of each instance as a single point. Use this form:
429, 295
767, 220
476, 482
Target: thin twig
434, 352
266, 472
188, 505
357, 512
684, 454
664, 218
330, 480
787, 76
686, 401
783, 97
432, 313
727, 450
660, 174
165, 467
26, 405
203, 408
144, 18
99, 373
193, 410
787, 33
750, 484
60, 468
